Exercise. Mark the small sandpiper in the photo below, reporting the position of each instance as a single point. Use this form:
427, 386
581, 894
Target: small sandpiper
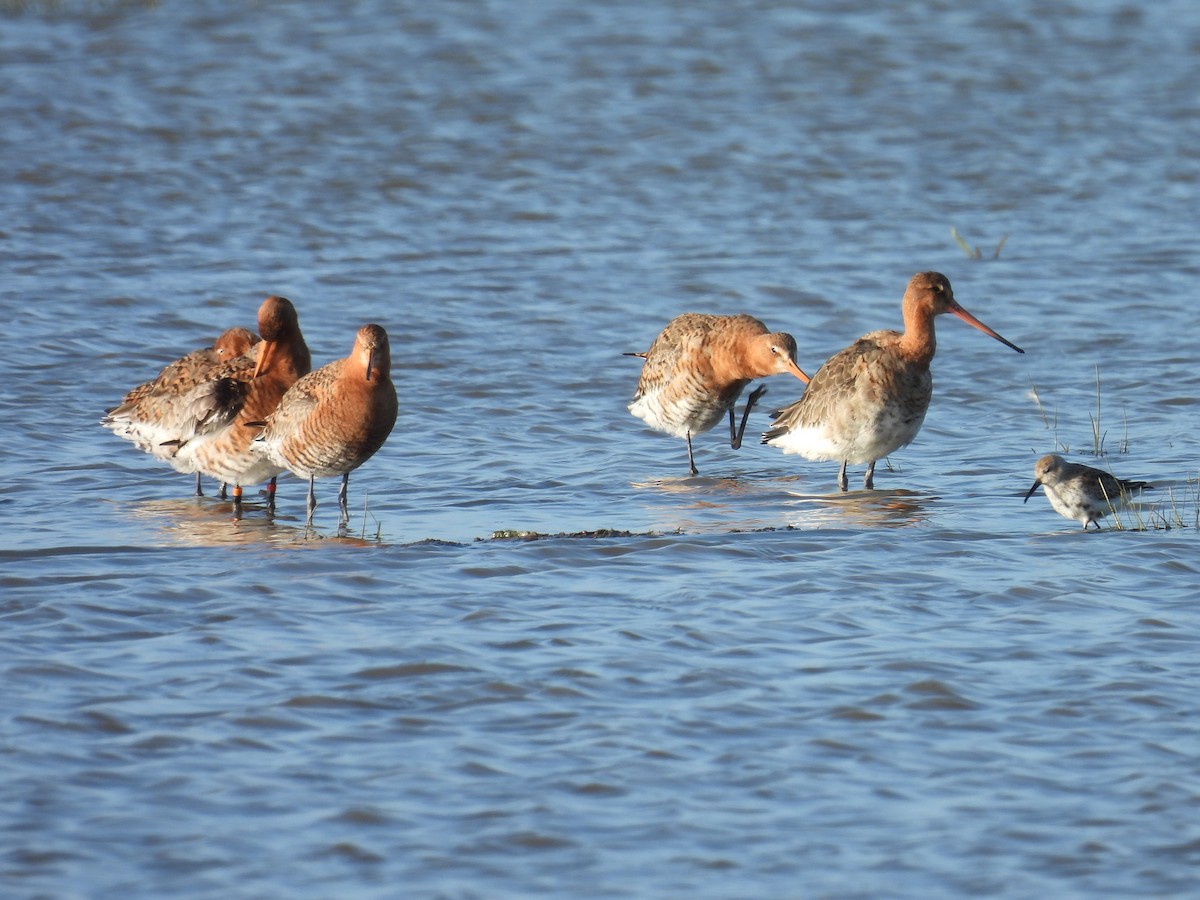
1081, 492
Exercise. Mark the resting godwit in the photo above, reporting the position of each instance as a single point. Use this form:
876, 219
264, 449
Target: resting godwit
1080, 492
225, 453
149, 414
333, 420
870, 398
696, 369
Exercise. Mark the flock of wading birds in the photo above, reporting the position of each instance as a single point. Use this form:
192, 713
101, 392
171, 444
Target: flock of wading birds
248, 408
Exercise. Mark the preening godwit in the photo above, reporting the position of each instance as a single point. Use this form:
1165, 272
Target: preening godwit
696, 369
150, 414
870, 399
225, 453
333, 420
1081, 492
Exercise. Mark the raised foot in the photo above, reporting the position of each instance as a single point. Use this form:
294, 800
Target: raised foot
735, 435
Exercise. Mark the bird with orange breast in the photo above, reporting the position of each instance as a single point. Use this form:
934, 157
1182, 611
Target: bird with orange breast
262, 378
149, 414
870, 399
697, 368
334, 419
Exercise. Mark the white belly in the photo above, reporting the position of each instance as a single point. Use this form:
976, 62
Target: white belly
681, 416
854, 440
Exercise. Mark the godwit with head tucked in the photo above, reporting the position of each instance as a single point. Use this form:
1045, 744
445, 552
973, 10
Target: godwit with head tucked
149, 414
225, 453
333, 420
1080, 492
696, 369
870, 399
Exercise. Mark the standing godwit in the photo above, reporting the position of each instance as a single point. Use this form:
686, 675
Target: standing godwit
225, 453
333, 420
149, 414
1080, 492
696, 369
870, 398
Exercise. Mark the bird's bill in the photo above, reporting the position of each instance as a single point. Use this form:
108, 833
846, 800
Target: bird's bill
975, 323
1036, 485
373, 362
797, 371
263, 355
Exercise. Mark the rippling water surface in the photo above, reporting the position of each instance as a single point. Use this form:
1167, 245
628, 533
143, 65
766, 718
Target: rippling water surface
736, 685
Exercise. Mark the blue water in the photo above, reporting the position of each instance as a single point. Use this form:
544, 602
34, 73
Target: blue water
737, 685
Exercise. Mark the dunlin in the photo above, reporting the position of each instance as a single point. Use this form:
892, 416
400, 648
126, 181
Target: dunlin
1081, 492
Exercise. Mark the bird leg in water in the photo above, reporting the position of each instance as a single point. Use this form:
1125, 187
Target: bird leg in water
735, 437
199, 488
342, 497
869, 478
843, 484
312, 498
691, 460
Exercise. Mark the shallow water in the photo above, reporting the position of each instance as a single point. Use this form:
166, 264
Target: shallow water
756, 686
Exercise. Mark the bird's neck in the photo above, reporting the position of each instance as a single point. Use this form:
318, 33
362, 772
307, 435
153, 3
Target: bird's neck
918, 342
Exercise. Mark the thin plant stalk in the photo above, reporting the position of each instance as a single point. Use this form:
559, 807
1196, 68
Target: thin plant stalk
1097, 435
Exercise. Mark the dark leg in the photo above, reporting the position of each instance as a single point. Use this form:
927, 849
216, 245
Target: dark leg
735, 438
222, 493
869, 478
199, 488
843, 484
312, 498
691, 461
271, 494
237, 501
342, 497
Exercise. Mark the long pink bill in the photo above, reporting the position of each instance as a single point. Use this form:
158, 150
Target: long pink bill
971, 320
798, 372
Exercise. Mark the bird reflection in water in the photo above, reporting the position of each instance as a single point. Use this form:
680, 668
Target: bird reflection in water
864, 509
198, 522
752, 503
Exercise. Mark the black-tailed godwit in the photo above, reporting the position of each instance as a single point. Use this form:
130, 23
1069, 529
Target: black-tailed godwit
870, 398
696, 369
334, 419
274, 366
148, 416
